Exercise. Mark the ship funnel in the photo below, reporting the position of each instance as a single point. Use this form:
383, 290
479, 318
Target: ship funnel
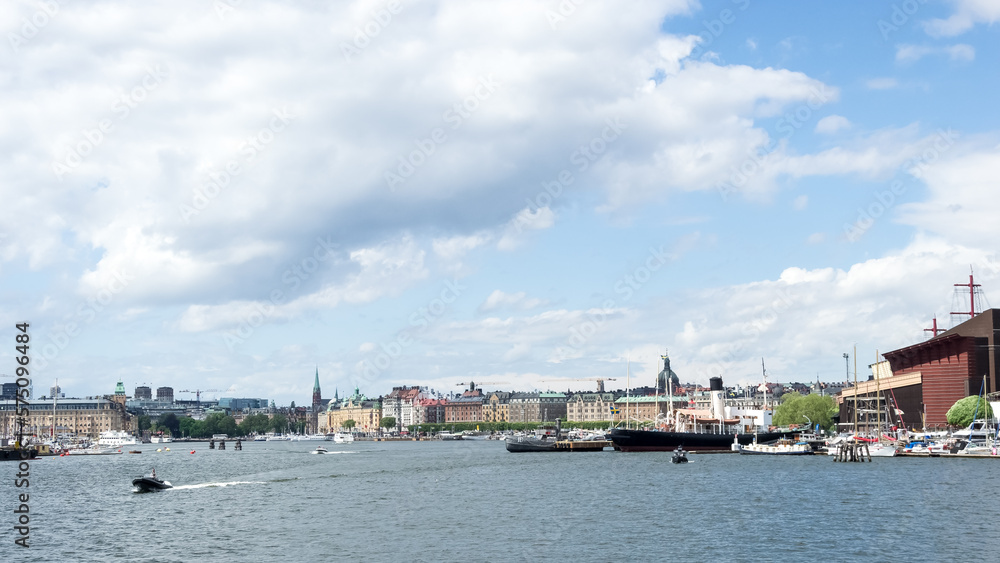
718, 404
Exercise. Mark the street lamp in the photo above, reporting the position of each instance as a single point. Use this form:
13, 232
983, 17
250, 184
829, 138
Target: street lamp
847, 367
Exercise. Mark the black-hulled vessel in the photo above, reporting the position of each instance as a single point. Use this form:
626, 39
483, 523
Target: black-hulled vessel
149, 483
712, 432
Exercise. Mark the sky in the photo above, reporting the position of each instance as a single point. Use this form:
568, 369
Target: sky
229, 196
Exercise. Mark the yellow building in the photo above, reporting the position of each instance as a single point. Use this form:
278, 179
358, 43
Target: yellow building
366, 414
76, 417
496, 407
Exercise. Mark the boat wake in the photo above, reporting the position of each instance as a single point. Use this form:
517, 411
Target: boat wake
206, 485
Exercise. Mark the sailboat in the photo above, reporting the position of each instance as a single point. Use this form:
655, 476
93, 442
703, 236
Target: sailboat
881, 447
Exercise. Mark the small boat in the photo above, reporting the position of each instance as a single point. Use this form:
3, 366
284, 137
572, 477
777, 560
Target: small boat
680, 456
522, 444
343, 437
319, 450
149, 483
779, 447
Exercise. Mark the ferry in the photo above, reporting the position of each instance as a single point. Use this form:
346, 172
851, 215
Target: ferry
115, 439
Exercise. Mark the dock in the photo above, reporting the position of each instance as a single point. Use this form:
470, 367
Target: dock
582, 445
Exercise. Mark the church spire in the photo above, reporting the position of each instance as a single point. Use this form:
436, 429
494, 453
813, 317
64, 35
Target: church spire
317, 395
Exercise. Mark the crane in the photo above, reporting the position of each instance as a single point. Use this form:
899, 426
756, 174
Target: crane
198, 392
600, 381
472, 384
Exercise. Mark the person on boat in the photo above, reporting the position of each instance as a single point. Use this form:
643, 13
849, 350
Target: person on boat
154, 473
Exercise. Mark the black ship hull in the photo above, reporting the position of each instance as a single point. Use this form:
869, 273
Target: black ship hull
657, 441
14, 454
524, 445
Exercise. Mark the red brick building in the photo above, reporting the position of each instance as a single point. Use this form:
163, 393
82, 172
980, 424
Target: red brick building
927, 378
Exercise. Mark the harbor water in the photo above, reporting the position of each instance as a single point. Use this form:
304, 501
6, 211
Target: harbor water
473, 501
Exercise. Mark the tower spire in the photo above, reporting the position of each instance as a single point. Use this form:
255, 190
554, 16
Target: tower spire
317, 395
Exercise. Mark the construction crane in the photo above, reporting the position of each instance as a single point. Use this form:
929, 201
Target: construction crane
600, 381
472, 384
198, 392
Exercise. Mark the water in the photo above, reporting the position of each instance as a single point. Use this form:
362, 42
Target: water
462, 501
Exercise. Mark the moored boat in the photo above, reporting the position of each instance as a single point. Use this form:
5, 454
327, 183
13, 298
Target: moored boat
779, 447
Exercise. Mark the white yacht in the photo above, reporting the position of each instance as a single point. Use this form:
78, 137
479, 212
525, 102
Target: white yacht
343, 437
115, 439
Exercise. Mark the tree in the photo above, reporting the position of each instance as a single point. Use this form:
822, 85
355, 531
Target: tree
279, 423
143, 423
795, 408
388, 422
292, 405
961, 413
170, 422
349, 423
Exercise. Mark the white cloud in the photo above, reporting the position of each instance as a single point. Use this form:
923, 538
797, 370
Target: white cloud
800, 202
913, 53
882, 83
519, 300
831, 124
967, 14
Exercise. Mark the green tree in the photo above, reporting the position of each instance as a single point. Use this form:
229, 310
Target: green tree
794, 409
170, 422
279, 423
185, 426
143, 423
292, 405
349, 423
961, 413
388, 422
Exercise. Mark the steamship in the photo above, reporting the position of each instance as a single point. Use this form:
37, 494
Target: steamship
700, 429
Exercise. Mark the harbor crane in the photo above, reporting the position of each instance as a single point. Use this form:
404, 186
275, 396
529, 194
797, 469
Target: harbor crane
472, 384
198, 392
600, 381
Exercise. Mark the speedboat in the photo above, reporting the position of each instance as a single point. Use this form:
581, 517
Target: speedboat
148, 483
680, 456
319, 450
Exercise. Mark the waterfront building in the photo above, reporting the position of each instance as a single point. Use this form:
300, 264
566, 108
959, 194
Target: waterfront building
79, 417
924, 380
402, 404
537, 407
429, 411
590, 407
143, 393
366, 413
496, 407
466, 408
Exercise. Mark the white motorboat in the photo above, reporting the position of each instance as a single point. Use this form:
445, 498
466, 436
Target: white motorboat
343, 437
779, 447
319, 450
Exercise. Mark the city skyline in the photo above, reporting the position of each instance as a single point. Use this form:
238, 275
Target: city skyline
229, 196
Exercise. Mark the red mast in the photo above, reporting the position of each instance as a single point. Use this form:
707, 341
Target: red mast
934, 329
972, 297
